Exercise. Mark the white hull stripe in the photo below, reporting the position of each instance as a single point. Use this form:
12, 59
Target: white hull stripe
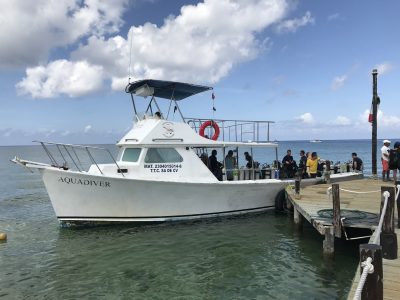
163, 217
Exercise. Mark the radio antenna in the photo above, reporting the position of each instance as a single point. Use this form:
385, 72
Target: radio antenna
130, 56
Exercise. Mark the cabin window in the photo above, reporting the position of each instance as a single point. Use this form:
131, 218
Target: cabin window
162, 155
131, 154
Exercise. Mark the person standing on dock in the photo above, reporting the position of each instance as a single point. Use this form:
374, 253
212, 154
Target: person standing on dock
394, 159
303, 163
312, 165
385, 150
289, 165
357, 162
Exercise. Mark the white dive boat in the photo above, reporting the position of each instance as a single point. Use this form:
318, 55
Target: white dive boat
158, 174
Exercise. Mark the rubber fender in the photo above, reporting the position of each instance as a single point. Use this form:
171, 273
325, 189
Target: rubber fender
280, 201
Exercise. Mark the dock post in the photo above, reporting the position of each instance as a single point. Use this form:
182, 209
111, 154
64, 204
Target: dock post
336, 210
297, 188
373, 287
297, 218
329, 241
289, 204
328, 172
388, 237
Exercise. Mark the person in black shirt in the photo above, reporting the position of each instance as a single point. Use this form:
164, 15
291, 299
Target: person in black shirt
357, 162
249, 160
289, 165
394, 159
303, 163
214, 165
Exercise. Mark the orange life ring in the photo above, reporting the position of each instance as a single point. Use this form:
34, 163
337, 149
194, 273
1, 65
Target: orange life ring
213, 125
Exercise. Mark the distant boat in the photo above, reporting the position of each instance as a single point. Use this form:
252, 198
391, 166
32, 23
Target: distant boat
315, 141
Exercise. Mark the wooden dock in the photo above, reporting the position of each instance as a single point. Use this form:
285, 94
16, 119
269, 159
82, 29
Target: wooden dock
391, 277
360, 197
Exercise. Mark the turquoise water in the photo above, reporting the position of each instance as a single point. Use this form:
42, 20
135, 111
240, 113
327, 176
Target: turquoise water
250, 257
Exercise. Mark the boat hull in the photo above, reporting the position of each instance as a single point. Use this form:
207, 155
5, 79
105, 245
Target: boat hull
81, 197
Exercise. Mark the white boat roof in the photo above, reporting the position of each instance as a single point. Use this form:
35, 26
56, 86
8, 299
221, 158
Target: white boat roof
154, 132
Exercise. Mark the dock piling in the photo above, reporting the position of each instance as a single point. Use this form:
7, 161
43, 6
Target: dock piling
327, 172
336, 210
297, 188
373, 287
388, 237
329, 241
298, 219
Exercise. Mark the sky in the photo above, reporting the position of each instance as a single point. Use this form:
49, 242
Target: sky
305, 64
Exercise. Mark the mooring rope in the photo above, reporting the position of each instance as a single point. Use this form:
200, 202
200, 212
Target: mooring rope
386, 194
329, 192
368, 268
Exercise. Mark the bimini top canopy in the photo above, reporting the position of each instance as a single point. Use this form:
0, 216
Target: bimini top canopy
164, 89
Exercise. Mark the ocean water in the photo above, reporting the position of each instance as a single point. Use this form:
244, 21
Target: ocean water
249, 257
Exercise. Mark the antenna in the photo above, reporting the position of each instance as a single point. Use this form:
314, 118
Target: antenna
130, 56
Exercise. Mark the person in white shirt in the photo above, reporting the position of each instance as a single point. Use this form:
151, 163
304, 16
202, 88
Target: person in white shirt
385, 160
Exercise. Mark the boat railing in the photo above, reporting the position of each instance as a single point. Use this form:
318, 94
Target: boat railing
68, 155
237, 130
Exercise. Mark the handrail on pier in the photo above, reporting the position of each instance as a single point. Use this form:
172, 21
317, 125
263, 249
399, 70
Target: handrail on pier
76, 161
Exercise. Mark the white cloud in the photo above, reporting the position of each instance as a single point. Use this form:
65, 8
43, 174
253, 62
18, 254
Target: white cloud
342, 121
198, 45
87, 128
65, 133
294, 24
384, 120
384, 68
50, 132
306, 118
29, 29
119, 83
334, 17
338, 82
6, 132
278, 80
61, 77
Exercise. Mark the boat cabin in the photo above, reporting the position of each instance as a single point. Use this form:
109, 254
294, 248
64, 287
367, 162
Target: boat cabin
193, 150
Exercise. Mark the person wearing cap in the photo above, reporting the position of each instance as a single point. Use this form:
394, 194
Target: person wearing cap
385, 150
